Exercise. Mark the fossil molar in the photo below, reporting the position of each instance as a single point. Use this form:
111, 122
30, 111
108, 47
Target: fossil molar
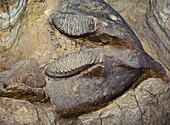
74, 24
10, 13
123, 62
96, 21
74, 63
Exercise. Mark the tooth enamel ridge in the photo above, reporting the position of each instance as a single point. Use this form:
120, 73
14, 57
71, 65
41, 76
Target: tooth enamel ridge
74, 24
71, 64
113, 59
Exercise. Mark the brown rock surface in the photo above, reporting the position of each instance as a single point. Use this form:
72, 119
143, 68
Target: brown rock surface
20, 112
107, 39
149, 20
23, 45
37, 39
147, 104
21, 91
157, 19
17, 112
27, 72
36, 34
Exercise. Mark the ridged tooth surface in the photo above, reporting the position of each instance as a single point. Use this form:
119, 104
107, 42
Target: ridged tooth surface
68, 64
10, 14
74, 24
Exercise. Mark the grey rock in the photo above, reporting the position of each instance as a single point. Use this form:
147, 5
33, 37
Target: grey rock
147, 104
21, 112
158, 21
124, 60
27, 72
17, 112
151, 105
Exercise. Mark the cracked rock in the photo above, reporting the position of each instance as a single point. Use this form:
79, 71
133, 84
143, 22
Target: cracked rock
111, 61
146, 109
38, 39
21, 112
17, 112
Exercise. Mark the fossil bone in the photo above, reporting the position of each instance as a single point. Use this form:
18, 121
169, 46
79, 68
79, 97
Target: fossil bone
112, 59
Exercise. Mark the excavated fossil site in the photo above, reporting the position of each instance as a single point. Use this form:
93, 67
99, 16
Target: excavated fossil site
84, 62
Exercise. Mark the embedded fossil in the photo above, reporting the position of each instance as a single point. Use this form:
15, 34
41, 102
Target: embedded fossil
82, 24
10, 14
100, 23
73, 63
125, 62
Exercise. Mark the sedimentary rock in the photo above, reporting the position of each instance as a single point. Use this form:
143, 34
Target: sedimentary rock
24, 92
157, 19
21, 112
126, 63
110, 28
27, 72
11, 12
40, 41
21, 44
150, 21
147, 104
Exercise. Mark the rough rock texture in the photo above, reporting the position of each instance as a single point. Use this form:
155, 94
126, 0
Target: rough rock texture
37, 39
36, 34
124, 64
17, 112
27, 72
158, 21
91, 89
149, 19
147, 104
9, 56
82, 24
11, 13
21, 91
20, 112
